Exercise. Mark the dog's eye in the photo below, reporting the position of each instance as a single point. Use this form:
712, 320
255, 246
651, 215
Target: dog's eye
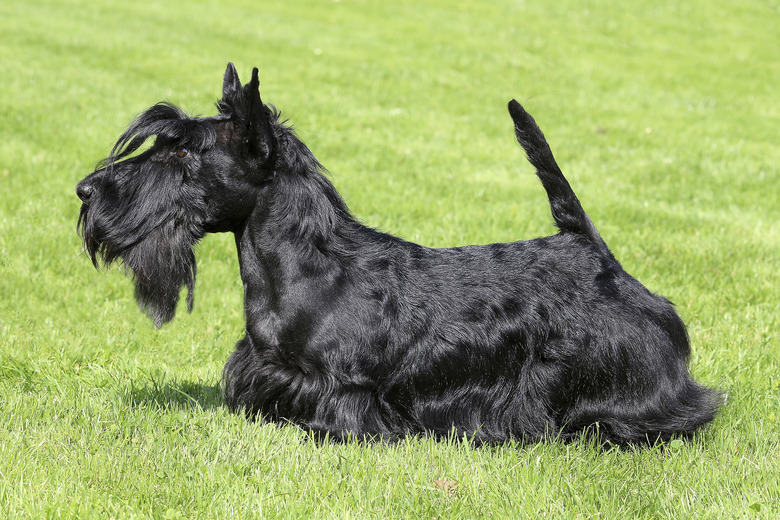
181, 153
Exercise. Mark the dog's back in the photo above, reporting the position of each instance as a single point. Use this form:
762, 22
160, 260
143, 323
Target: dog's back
538, 338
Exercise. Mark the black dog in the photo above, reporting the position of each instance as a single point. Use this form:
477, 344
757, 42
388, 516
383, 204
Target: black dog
350, 331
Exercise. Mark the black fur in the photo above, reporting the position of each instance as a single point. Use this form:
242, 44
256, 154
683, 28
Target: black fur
350, 331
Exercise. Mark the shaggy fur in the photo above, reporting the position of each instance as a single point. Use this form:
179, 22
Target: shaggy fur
350, 331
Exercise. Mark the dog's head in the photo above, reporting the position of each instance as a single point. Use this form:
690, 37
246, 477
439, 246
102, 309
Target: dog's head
150, 206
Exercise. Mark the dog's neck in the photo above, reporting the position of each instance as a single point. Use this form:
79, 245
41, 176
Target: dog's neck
292, 242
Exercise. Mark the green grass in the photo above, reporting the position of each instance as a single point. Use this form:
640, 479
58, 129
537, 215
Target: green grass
663, 115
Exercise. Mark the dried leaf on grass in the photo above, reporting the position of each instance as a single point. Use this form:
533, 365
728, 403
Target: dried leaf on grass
446, 486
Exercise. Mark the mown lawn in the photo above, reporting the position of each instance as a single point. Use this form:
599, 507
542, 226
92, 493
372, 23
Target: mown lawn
664, 116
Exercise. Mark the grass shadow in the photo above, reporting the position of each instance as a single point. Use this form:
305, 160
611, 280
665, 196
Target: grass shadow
157, 392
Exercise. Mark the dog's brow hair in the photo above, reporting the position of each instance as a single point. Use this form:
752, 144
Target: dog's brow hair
167, 122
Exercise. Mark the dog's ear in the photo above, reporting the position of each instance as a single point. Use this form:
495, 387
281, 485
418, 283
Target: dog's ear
259, 136
231, 85
248, 110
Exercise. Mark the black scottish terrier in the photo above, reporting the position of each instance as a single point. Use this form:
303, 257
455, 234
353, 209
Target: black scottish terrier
350, 331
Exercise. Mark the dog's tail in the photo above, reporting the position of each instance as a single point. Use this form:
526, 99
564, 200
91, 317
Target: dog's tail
566, 208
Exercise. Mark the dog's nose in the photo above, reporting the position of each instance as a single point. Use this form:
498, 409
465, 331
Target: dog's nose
84, 191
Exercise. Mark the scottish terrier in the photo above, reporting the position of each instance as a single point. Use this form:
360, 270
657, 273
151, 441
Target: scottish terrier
354, 332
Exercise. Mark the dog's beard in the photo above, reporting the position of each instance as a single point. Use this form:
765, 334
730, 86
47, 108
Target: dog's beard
161, 262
